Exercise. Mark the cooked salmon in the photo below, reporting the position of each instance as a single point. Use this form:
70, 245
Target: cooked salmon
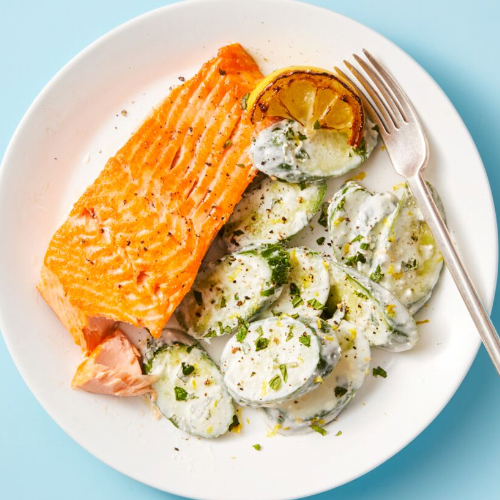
113, 367
133, 243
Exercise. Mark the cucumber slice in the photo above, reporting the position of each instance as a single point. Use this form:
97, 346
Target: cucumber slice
407, 261
285, 151
356, 219
272, 211
386, 322
276, 359
308, 286
190, 391
323, 404
233, 289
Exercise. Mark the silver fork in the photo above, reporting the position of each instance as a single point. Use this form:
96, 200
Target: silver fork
408, 150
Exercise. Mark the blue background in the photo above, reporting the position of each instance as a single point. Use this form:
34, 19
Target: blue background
457, 42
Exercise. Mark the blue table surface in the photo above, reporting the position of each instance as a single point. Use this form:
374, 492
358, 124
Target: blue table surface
457, 42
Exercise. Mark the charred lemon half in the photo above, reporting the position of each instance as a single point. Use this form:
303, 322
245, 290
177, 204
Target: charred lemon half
314, 97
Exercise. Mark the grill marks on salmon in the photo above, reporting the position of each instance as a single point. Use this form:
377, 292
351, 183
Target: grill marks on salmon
132, 245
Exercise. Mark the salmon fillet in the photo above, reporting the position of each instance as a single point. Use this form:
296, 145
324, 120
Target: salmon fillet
113, 368
132, 245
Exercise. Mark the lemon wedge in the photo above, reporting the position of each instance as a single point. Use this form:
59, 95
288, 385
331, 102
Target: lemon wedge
314, 97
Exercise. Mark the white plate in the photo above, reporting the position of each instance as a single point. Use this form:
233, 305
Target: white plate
62, 143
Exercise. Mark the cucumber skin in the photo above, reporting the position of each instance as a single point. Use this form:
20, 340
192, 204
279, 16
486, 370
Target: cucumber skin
403, 335
290, 426
303, 309
294, 173
278, 262
233, 242
384, 242
329, 357
156, 349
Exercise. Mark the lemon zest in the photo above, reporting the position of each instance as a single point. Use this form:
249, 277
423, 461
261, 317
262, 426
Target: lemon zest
391, 310
358, 177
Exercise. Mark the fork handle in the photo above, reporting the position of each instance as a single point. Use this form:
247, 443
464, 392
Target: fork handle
469, 293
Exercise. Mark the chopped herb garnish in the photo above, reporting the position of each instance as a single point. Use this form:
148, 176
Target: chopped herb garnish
257, 447
285, 166
317, 125
340, 205
320, 241
318, 429
339, 433
275, 383
284, 372
235, 423
236, 297
187, 369
261, 343
223, 302
153, 351
190, 348
301, 136
227, 143
279, 262
289, 134
268, 292
315, 304
361, 149
359, 237
379, 372
290, 334
340, 391
410, 265
198, 297
294, 316
250, 252
302, 185
294, 289
323, 216
180, 394
260, 331
242, 330
364, 246
359, 257
377, 275
360, 295
223, 329
296, 301
244, 100
305, 339
302, 154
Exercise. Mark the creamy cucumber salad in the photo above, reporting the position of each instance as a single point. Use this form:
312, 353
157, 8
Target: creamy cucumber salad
299, 324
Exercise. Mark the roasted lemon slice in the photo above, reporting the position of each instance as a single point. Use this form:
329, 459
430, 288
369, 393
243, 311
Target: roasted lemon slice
313, 97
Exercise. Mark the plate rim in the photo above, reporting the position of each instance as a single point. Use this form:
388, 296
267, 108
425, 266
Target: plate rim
183, 4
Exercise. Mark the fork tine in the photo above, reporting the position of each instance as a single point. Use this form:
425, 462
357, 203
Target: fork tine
379, 103
366, 103
383, 89
401, 97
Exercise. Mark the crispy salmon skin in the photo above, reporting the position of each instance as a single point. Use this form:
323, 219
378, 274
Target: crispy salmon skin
132, 245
